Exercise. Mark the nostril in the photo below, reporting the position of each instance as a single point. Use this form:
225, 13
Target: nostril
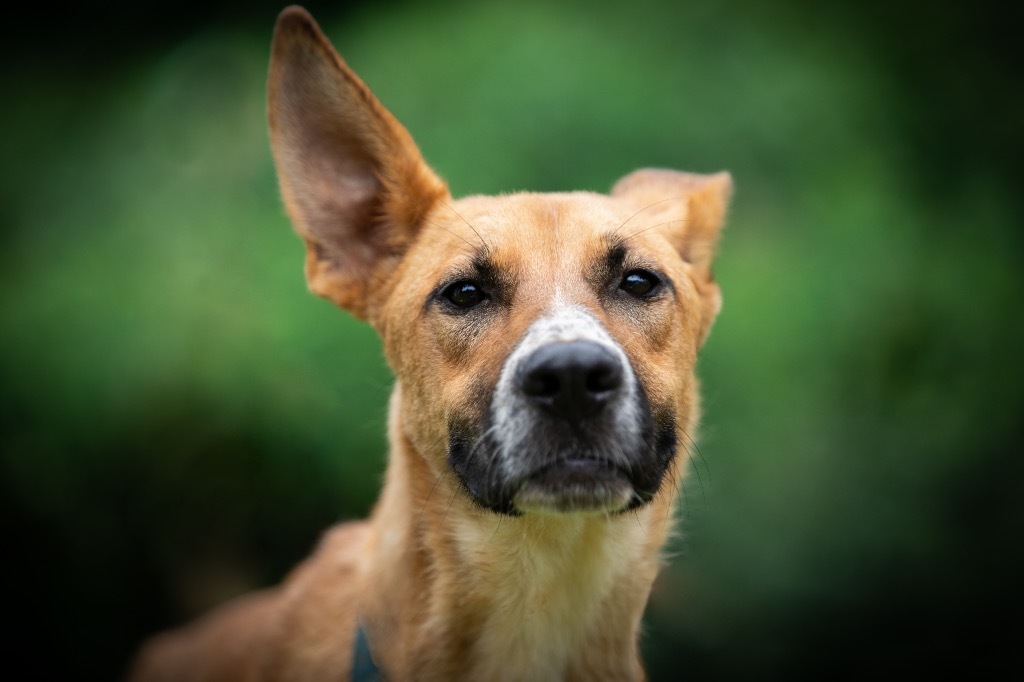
603, 378
541, 383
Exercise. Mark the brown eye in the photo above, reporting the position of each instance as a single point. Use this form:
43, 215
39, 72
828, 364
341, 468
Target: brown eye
640, 283
464, 294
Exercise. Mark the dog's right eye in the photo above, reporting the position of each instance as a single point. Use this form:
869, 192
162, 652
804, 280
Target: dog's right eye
640, 283
464, 294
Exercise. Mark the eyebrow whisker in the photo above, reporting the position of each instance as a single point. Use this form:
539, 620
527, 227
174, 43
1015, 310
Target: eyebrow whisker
483, 242
454, 234
651, 227
642, 210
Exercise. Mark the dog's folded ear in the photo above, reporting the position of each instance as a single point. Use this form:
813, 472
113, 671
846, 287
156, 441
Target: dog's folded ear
354, 183
689, 209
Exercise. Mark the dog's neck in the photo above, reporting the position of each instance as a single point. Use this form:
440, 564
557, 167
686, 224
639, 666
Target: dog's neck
533, 597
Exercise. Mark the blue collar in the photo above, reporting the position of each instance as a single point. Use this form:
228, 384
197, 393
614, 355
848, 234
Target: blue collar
363, 667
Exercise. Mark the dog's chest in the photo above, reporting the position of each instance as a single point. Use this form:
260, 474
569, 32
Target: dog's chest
550, 597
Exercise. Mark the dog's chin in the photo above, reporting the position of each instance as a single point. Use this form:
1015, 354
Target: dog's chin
575, 486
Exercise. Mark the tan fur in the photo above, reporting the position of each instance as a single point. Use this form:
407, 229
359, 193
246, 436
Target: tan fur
444, 589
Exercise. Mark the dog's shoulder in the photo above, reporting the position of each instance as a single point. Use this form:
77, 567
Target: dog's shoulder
316, 624
227, 644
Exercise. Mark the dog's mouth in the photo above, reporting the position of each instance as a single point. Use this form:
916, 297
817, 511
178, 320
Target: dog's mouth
551, 472
576, 485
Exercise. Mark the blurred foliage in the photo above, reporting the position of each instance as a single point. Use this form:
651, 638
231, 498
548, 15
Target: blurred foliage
181, 418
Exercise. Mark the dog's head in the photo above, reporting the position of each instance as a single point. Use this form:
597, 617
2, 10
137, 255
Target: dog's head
544, 344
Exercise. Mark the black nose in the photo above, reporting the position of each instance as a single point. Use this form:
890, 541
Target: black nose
571, 379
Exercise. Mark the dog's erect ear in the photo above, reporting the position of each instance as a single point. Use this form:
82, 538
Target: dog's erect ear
692, 207
353, 181
690, 210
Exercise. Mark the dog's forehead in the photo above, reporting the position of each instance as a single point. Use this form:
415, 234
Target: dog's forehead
546, 232
541, 215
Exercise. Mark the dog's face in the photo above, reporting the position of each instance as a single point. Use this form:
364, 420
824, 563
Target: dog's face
544, 344
553, 337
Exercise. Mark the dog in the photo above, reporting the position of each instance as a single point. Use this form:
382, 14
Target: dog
543, 347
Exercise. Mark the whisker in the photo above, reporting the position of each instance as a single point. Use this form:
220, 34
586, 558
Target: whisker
472, 249
483, 242
651, 227
431, 493
673, 473
700, 454
697, 471
641, 211
450, 504
636, 515
496, 527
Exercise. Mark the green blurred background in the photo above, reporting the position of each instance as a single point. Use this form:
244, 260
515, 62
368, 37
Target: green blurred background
180, 418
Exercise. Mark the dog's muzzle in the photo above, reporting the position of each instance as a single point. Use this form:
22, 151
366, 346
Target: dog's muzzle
569, 428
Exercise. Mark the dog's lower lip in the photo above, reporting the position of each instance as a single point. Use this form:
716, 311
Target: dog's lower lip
575, 485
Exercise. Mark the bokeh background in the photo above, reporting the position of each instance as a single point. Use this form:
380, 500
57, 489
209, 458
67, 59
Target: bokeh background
181, 419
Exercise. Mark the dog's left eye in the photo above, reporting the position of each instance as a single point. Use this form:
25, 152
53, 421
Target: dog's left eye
464, 294
640, 283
